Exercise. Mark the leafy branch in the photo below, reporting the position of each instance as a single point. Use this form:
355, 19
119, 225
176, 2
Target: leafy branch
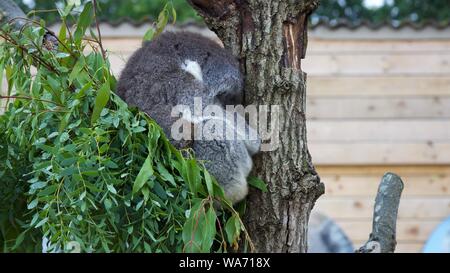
98, 173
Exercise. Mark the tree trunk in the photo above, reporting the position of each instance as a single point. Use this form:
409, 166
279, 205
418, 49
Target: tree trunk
11, 11
270, 37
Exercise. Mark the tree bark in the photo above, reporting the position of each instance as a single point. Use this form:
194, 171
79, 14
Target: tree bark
269, 37
383, 236
10, 11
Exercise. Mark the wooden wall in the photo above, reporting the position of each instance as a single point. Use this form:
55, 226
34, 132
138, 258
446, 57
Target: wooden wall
375, 106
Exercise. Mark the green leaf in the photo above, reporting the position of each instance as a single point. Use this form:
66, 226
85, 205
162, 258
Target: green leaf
64, 137
209, 183
174, 15
232, 229
2, 67
108, 204
193, 175
33, 204
68, 8
76, 69
146, 192
19, 240
76, 3
9, 77
163, 18
101, 100
144, 175
64, 121
38, 185
111, 189
257, 183
149, 34
55, 85
159, 190
42, 222
52, 135
210, 230
165, 174
48, 190
62, 55
62, 36
84, 21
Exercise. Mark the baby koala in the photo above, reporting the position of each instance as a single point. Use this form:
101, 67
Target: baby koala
176, 69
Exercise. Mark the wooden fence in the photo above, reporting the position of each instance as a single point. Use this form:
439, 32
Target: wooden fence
376, 105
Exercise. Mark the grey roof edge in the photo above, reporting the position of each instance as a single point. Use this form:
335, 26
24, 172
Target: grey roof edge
333, 24
338, 30
395, 25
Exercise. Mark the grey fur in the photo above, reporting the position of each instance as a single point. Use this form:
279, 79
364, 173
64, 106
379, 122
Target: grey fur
154, 80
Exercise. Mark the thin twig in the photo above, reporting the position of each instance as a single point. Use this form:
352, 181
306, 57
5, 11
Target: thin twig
49, 31
8, 38
94, 4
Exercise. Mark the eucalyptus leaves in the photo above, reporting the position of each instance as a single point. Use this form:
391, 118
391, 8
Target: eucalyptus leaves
78, 165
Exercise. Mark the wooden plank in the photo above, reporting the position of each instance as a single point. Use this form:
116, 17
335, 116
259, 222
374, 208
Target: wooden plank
377, 86
318, 46
326, 46
380, 153
366, 185
378, 64
379, 170
407, 230
384, 33
124, 45
362, 208
321, 46
339, 107
118, 61
380, 131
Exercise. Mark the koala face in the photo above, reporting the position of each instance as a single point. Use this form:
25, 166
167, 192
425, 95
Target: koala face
175, 69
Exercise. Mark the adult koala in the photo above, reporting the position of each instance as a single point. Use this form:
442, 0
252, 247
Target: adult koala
172, 70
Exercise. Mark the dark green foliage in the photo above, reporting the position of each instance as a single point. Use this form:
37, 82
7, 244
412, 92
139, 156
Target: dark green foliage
81, 168
396, 11
114, 10
353, 10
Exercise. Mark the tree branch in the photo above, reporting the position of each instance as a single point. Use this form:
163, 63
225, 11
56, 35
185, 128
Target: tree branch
383, 238
97, 24
9, 11
216, 9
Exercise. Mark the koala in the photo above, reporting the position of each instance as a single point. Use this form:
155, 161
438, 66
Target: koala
172, 70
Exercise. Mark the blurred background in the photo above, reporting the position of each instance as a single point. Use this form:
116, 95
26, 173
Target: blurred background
378, 101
